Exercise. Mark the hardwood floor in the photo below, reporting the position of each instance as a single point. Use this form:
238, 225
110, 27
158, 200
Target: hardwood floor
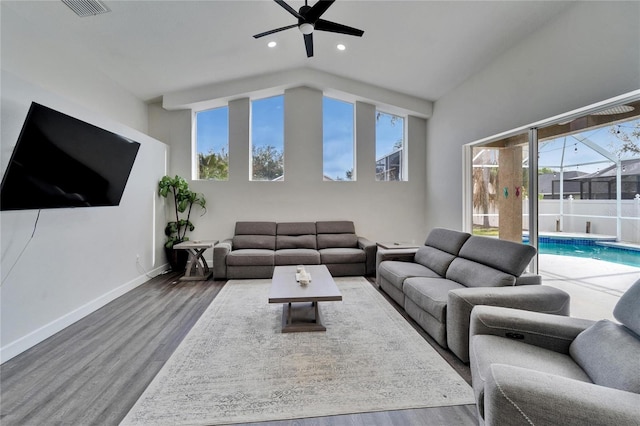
92, 372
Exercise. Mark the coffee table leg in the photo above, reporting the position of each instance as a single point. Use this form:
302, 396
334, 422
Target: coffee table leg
305, 318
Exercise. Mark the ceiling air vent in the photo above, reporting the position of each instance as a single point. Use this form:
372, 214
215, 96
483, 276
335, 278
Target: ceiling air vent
84, 8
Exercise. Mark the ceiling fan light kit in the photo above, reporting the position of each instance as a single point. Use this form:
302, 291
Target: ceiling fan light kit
306, 28
309, 21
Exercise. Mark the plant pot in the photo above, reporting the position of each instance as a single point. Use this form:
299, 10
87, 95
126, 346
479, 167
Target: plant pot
177, 259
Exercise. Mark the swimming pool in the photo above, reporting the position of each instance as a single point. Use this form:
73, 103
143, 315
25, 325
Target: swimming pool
589, 249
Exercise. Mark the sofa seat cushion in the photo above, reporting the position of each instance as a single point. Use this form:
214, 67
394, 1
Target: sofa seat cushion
342, 255
486, 350
473, 274
250, 257
396, 271
298, 256
430, 294
617, 368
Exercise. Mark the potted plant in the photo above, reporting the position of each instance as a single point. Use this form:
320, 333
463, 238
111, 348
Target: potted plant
176, 230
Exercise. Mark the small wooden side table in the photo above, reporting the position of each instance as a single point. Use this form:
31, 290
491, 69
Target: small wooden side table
197, 268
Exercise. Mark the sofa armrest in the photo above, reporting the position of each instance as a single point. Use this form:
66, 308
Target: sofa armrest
519, 396
528, 278
370, 249
461, 301
220, 252
551, 332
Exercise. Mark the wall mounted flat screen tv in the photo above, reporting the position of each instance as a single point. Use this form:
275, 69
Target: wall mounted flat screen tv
60, 161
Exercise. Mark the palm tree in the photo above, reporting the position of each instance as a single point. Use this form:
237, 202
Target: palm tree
485, 180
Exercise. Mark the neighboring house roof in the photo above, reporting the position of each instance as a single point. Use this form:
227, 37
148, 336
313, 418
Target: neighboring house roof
545, 182
629, 168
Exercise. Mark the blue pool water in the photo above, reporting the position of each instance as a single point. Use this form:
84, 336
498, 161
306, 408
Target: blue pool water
589, 249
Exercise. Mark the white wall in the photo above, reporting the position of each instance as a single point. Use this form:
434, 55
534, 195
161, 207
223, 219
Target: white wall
78, 259
380, 210
588, 54
34, 57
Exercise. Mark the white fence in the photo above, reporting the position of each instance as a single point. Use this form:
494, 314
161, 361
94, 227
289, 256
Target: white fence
568, 215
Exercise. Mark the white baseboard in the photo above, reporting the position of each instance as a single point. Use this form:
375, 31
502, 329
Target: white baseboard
22, 344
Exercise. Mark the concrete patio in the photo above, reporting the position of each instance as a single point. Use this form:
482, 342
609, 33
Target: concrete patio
594, 285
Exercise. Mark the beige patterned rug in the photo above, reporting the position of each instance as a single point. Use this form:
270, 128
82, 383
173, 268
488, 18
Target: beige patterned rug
236, 366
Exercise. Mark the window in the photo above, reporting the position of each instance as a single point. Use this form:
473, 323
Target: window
212, 144
337, 140
390, 148
267, 139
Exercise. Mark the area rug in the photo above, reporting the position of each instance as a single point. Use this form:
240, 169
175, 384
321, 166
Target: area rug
236, 366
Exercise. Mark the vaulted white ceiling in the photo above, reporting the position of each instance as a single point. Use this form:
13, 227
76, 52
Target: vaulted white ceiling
152, 48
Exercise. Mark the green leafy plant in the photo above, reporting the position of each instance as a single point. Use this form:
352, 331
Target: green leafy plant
183, 201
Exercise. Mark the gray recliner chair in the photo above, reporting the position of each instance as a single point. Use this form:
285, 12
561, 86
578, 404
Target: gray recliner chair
537, 369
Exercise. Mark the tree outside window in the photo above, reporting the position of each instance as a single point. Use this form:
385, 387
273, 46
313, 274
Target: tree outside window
212, 144
267, 139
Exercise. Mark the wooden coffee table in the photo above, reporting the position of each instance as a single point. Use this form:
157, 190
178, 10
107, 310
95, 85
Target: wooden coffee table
301, 310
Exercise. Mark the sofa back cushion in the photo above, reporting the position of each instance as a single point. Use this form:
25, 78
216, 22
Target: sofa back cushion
503, 255
294, 235
336, 234
255, 235
436, 260
608, 353
447, 240
627, 310
335, 227
473, 274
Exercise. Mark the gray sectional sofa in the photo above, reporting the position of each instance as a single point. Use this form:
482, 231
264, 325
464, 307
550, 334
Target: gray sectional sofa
439, 284
257, 247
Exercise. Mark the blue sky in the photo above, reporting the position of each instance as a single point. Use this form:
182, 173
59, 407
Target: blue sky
387, 133
577, 155
212, 130
338, 144
267, 128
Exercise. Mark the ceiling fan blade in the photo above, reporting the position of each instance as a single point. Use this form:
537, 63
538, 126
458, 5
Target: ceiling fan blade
317, 10
308, 43
266, 33
289, 9
333, 27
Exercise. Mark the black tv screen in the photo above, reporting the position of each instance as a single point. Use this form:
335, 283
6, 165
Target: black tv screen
60, 161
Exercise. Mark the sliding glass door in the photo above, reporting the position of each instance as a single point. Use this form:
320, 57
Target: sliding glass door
574, 176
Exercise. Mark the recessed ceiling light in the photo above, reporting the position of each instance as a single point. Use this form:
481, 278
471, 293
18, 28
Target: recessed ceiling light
272, 44
341, 46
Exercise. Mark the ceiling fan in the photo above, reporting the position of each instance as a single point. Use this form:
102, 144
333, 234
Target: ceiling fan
309, 20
